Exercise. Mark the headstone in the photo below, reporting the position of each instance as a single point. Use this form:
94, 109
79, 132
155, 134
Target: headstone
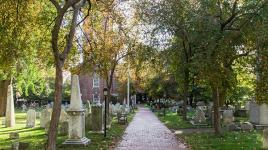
45, 118
228, 116
63, 116
200, 103
110, 116
63, 128
88, 116
15, 145
258, 113
247, 105
47, 125
232, 127
10, 110
265, 139
38, 114
14, 135
254, 113
97, 118
199, 117
246, 126
31, 117
24, 108
263, 114
76, 116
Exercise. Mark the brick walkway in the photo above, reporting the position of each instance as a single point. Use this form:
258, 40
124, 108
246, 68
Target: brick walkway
146, 132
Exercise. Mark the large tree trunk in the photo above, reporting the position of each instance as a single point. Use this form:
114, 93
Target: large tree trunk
217, 123
3, 96
185, 92
52, 134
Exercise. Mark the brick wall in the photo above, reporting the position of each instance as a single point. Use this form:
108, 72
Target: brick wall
87, 89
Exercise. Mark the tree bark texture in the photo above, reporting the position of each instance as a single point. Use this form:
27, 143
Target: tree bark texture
3, 96
217, 122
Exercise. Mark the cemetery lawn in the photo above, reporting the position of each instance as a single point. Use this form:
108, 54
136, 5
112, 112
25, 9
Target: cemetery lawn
174, 121
37, 136
230, 140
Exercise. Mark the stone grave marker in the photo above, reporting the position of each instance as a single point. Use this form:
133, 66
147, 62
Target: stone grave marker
246, 126
228, 116
63, 128
88, 116
199, 117
45, 118
63, 116
258, 113
31, 118
97, 116
76, 116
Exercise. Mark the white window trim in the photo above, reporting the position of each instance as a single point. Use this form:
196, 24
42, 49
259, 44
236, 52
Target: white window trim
96, 100
95, 79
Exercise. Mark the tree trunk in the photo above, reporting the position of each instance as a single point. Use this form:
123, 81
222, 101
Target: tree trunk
185, 92
3, 96
222, 96
52, 134
217, 123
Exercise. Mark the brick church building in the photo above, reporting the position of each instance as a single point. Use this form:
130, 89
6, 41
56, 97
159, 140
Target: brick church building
91, 86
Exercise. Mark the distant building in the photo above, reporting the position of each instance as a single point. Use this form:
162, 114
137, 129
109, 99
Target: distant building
91, 86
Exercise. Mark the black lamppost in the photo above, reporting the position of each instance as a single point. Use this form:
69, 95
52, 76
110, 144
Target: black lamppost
105, 93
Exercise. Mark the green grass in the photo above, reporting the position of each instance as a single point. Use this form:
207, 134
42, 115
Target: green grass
37, 136
208, 141
229, 141
174, 121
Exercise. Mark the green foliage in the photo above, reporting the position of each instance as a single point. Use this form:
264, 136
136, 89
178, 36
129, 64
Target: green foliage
24, 45
205, 40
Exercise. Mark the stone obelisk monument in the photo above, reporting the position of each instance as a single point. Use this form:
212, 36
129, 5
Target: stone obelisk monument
10, 110
77, 116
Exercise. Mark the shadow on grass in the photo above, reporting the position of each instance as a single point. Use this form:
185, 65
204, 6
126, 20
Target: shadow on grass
25, 129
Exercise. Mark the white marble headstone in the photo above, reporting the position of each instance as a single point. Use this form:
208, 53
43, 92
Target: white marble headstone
45, 118
31, 117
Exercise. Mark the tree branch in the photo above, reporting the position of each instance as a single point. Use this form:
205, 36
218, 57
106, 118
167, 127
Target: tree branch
56, 4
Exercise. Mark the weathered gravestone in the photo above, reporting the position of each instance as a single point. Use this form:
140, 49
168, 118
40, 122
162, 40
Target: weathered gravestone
63, 116
38, 115
199, 117
24, 108
63, 128
265, 139
258, 114
31, 117
15, 145
97, 118
246, 126
76, 116
228, 116
10, 110
110, 116
45, 118
232, 127
200, 103
88, 116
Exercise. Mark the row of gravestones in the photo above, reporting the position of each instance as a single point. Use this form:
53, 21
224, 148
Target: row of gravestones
93, 113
